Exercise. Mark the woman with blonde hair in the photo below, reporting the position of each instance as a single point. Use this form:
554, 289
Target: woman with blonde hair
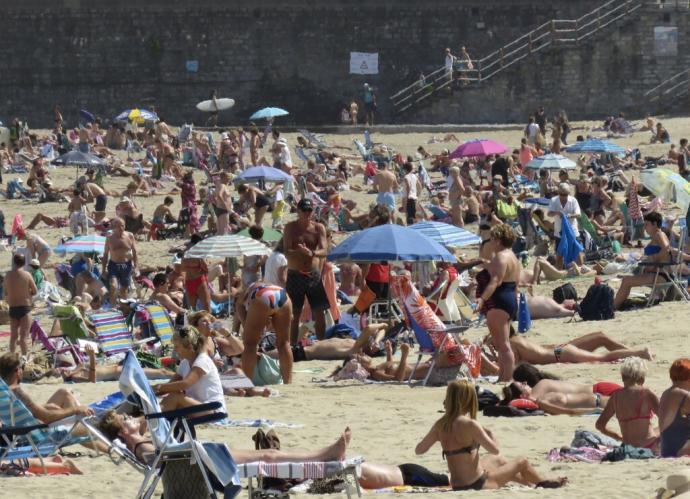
197, 380
461, 436
633, 406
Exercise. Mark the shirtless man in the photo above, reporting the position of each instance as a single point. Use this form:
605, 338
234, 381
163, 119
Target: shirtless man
221, 201
386, 184
95, 193
19, 289
161, 215
38, 248
78, 220
166, 155
120, 256
160, 294
305, 244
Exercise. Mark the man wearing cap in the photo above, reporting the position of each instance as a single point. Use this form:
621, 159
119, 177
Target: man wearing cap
304, 242
36, 272
281, 156
119, 259
567, 205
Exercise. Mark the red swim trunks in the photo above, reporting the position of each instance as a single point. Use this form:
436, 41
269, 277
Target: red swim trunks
605, 388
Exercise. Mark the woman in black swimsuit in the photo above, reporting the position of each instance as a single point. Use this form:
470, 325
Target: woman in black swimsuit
461, 436
497, 298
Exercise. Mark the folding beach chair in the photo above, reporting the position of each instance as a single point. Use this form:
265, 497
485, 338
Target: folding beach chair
445, 306
23, 436
465, 307
55, 346
431, 334
161, 323
114, 336
213, 461
71, 322
671, 273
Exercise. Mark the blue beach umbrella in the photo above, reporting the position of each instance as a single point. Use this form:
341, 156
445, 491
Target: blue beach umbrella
447, 234
265, 173
268, 112
87, 115
78, 158
596, 145
390, 242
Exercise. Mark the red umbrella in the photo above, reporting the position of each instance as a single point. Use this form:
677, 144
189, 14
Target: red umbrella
480, 147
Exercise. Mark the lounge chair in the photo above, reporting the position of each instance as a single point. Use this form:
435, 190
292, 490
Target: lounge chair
23, 436
671, 272
161, 323
432, 335
114, 336
55, 346
213, 461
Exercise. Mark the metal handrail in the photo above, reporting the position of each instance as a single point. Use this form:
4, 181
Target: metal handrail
556, 30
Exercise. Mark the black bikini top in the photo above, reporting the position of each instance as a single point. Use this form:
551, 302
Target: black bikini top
462, 450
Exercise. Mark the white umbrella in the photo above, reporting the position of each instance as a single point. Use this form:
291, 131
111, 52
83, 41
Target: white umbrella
231, 246
551, 162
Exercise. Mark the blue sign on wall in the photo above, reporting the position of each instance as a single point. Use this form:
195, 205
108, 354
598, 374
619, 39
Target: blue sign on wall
192, 66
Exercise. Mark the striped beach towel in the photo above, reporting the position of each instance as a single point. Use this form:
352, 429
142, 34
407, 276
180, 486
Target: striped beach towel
112, 331
299, 471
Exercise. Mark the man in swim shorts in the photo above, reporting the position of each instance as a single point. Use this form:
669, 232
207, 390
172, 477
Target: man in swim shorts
119, 259
19, 289
386, 184
305, 245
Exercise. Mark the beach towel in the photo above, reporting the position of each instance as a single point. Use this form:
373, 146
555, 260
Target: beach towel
569, 247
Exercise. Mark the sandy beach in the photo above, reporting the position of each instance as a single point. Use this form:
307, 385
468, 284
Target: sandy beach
388, 420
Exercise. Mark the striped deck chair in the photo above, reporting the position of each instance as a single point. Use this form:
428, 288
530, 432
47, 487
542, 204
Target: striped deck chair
23, 436
161, 322
112, 331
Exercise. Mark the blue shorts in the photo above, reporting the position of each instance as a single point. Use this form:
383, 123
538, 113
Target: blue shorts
386, 199
122, 272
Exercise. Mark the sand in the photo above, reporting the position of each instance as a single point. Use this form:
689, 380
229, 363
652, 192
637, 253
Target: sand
387, 421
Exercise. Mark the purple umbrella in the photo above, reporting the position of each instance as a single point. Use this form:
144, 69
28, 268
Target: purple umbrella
480, 147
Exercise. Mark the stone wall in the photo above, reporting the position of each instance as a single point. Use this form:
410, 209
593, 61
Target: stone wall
107, 55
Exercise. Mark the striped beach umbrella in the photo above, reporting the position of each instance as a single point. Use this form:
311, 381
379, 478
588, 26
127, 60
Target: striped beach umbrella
231, 246
596, 145
82, 244
551, 162
447, 234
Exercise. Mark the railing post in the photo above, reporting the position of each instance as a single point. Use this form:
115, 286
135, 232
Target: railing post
502, 52
479, 71
577, 31
598, 21
530, 42
553, 30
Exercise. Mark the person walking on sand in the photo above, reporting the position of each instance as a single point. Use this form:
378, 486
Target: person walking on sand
19, 290
386, 185
119, 259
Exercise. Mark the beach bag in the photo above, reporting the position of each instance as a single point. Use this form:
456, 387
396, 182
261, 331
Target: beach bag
365, 298
524, 318
565, 292
486, 398
267, 372
597, 305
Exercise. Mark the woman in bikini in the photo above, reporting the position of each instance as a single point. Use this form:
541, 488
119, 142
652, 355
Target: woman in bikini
634, 406
657, 251
497, 298
674, 412
221, 202
554, 396
196, 283
259, 305
188, 195
461, 436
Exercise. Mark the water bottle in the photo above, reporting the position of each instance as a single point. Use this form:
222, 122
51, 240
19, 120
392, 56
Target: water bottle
524, 258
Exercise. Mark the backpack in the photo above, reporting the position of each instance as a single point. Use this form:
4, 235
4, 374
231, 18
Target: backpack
597, 304
565, 292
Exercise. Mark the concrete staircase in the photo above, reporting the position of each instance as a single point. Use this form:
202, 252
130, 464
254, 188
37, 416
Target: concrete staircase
667, 93
557, 33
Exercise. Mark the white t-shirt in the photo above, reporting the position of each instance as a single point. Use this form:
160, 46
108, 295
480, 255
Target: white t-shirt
285, 156
532, 130
572, 207
449, 62
273, 264
411, 185
208, 388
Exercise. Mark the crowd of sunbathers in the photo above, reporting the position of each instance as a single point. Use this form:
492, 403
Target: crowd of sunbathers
294, 306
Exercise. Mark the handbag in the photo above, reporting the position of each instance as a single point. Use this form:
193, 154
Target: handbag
267, 372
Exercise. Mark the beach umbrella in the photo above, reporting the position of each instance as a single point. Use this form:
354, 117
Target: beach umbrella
551, 162
390, 242
265, 173
270, 235
596, 145
478, 147
268, 112
82, 244
447, 234
668, 185
87, 116
230, 246
78, 158
138, 115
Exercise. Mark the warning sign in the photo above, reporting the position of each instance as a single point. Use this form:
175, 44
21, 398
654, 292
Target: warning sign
364, 63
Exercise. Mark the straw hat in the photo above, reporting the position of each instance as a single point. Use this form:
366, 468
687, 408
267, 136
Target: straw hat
677, 485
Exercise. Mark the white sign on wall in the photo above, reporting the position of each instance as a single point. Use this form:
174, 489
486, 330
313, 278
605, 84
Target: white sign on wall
364, 63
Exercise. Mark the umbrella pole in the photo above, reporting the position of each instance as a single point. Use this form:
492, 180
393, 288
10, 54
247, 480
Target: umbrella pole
390, 298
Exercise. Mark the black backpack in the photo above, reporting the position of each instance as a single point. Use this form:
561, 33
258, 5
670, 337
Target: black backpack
565, 292
597, 305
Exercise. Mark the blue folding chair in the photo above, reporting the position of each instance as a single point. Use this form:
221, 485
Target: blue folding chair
214, 460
